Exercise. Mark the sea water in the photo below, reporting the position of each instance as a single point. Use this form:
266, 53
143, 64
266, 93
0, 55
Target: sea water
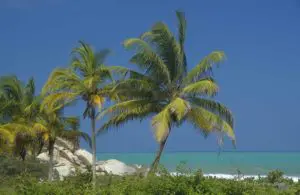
224, 163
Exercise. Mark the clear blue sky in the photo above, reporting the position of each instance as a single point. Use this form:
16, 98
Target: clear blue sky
259, 81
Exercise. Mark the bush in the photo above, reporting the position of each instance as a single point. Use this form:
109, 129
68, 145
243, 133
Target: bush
275, 176
10, 166
165, 183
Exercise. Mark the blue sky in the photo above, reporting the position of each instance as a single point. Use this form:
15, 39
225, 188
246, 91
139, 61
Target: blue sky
259, 80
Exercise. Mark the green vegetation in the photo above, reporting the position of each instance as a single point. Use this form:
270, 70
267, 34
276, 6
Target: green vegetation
19, 110
30, 124
185, 182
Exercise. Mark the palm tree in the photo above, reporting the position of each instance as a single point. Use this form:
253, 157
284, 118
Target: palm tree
6, 140
165, 89
19, 104
54, 124
84, 79
26, 120
6, 136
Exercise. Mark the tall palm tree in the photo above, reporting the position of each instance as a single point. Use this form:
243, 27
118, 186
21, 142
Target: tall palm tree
165, 89
84, 79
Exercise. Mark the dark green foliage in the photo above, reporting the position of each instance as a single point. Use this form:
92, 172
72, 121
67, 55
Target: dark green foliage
10, 166
275, 176
186, 182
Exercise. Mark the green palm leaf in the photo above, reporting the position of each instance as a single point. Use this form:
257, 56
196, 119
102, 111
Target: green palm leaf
204, 66
208, 122
6, 135
216, 108
161, 124
141, 111
201, 88
147, 59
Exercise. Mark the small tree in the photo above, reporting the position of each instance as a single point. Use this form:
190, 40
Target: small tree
54, 124
19, 107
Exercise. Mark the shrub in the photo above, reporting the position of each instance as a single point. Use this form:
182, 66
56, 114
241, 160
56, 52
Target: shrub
165, 183
275, 176
10, 166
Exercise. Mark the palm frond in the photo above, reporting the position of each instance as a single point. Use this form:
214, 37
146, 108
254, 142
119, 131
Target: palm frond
124, 107
208, 121
63, 79
31, 86
84, 58
101, 56
29, 91
77, 65
56, 101
6, 135
182, 66
11, 87
140, 112
21, 127
74, 134
147, 59
216, 107
179, 107
40, 127
197, 117
91, 82
126, 94
204, 67
71, 122
136, 84
181, 28
167, 48
201, 88
161, 124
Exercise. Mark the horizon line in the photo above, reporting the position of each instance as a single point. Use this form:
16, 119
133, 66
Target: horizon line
262, 151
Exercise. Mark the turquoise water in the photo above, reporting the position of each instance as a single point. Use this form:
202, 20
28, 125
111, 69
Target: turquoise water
249, 163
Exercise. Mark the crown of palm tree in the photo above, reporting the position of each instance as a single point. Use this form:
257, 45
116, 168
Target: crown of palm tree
25, 119
165, 89
85, 78
52, 123
19, 106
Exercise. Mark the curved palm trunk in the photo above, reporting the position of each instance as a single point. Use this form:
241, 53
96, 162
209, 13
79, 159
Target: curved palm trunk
93, 115
155, 163
51, 149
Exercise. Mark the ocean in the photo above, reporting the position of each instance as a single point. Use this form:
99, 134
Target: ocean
228, 163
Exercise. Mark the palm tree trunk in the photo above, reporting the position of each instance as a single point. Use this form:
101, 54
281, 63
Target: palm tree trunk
155, 163
41, 145
23, 153
51, 149
93, 115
